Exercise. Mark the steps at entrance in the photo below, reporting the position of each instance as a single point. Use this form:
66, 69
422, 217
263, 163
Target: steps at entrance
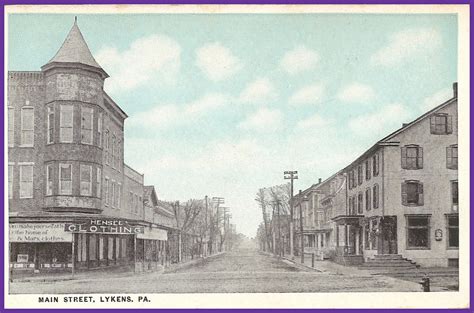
389, 262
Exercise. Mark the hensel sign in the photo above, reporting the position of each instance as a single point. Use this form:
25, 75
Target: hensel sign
39, 232
104, 226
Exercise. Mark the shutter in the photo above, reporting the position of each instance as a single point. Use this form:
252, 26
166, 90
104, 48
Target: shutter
420, 158
449, 124
449, 157
420, 194
404, 157
377, 164
432, 124
404, 194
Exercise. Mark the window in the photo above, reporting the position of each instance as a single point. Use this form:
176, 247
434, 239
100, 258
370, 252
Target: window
375, 165
367, 169
359, 174
412, 193
375, 196
112, 193
49, 179
99, 129
366, 235
107, 146
452, 157
10, 181
351, 179
50, 134
119, 195
130, 200
119, 154
454, 195
65, 179
106, 190
26, 180
27, 126
66, 126
11, 126
453, 231
360, 201
86, 180
86, 125
412, 157
368, 201
98, 182
418, 232
113, 151
441, 124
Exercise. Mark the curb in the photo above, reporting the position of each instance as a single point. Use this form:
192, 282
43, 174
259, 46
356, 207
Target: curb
301, 266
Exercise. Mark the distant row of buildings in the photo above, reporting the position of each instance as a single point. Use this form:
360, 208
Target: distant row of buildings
400, 197
72, 200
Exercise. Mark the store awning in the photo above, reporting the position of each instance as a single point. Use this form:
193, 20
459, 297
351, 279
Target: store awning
153, 234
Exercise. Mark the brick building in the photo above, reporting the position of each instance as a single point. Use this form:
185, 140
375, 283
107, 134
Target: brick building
400, 196
66, 169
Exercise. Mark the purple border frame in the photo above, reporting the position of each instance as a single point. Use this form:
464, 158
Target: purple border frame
57, 2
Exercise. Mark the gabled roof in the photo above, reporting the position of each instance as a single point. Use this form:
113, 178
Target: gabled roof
149, 193
75, 50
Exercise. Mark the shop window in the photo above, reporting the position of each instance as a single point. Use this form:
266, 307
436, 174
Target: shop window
49, 179
66, 123
368, 200
50, 126
10, 181
123, 250
375, 196
452, 157
412, 157
86, 180
360, 201
453, 262
86, 125
81, 247
367, 237
110, 250
367, 169
453, 231
99, 129
98, 182
412, 193
65, 179
359, 174
373, 236
93, 247
441, 124
375, 165
27, 126
11, 126
117, 248
26, 180
418, 232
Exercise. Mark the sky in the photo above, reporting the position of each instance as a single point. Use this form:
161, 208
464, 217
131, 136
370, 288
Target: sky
221, 105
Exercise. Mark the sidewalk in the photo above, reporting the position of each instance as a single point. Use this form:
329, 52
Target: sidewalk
327, 267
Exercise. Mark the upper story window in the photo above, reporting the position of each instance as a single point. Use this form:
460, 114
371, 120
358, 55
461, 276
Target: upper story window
49, 179
375, 196
66, 124
359, 174
452, 157
26, 180
367, 169
10, 181
11, 126
441, 124
98, 182
119, 195
27, 126
50, 126
65, 179
106, 190
454, 195
99, 129
412, 157
107, 146
368, 199
360, 202
86, 180
412, 193
114, 151
375, 165
86, 125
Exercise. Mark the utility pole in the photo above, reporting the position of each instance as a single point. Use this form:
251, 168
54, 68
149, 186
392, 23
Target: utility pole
291, 175
300, 198
206, 231
218, 201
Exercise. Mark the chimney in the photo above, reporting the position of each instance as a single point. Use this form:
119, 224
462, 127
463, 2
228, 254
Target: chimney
319, 181
455, 90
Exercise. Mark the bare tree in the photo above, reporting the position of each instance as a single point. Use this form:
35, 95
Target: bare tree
261, 199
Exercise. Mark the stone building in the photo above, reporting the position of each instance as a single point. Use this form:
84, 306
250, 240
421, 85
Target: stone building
72, 200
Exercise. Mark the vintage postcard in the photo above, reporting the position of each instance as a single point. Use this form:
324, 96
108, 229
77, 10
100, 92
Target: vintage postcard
237, 156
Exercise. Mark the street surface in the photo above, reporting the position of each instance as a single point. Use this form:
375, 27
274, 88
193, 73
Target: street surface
243, 270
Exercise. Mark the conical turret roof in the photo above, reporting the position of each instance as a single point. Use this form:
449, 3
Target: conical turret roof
75, 50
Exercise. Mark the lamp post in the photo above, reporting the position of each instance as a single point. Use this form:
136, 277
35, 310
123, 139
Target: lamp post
301, 199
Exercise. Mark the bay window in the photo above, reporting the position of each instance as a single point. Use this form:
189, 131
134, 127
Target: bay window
65, 179
66, 123
86, 180
86, 125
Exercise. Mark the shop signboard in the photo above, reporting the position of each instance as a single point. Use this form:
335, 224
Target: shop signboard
104, 226
39, 232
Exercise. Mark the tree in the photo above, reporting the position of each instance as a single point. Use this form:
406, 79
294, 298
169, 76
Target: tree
261, 199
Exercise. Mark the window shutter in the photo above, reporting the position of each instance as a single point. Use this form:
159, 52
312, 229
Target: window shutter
420, 194
449, 124
404, 157
420, 157
377, 164
449, 157
433, 124
404, 194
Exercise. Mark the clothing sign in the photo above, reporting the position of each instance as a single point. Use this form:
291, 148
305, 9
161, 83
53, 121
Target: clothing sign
104, 227
39, 232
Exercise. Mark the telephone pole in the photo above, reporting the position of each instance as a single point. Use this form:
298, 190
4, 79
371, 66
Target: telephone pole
218, 201
291, 175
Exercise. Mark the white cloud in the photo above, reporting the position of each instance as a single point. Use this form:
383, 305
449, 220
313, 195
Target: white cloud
311, 94
378, 122
356, 92
146, 59
207, 103
263, 119
260, 91
159, 117
406, 44
298, 60
217, 62
436, 99
312, 122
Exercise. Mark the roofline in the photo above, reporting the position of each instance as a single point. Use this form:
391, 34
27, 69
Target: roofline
88, 67
116, 106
